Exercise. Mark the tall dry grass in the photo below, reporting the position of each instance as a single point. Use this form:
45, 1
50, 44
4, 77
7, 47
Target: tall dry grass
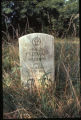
61, 99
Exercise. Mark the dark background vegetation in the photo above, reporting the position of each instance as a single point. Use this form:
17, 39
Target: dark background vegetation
57, 17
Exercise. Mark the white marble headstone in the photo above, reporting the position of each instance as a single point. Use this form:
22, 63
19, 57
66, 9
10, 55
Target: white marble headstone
36, 53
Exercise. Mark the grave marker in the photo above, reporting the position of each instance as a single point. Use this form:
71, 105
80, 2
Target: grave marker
36, 53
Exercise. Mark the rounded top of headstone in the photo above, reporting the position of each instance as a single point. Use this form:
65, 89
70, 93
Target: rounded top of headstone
35, 35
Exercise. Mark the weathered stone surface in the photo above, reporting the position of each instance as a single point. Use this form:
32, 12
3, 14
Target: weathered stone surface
36, 53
